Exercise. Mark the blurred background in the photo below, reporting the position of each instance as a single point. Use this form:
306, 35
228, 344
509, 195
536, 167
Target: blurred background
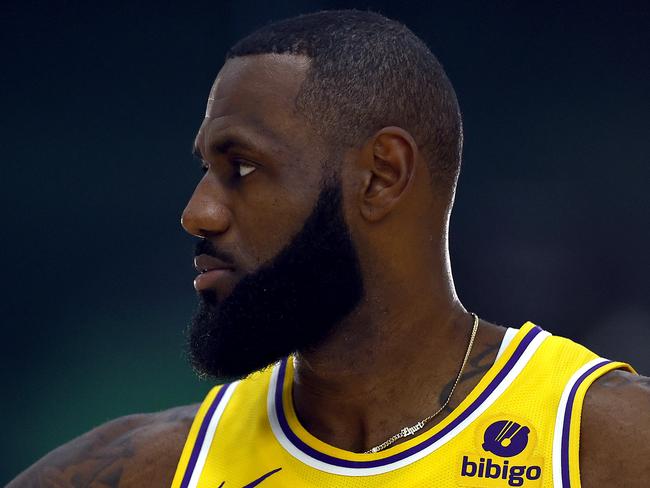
100, 104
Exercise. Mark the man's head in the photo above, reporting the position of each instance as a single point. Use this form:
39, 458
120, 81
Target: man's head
330, 116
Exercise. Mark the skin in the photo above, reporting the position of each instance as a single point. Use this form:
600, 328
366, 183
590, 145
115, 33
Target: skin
358, 388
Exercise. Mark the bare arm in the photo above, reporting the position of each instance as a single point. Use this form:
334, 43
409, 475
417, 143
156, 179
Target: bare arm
133, 451
615, 432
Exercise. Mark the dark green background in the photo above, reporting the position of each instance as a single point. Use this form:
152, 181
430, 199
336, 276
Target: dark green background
100, 103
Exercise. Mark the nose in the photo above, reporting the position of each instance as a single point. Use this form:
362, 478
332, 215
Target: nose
204, 214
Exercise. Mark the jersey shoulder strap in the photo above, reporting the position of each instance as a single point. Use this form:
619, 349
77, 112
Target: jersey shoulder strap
245, 399
203, 428
566, 436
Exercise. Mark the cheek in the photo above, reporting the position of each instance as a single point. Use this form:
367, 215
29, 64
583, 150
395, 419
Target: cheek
272, 211
267, 227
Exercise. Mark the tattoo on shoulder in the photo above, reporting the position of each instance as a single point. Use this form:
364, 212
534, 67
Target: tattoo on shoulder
102, 465
621, 379
106, 457
478, 364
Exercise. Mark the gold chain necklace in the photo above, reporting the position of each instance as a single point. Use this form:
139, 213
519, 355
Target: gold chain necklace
406, 431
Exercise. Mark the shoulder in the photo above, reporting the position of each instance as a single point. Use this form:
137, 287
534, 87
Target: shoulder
136, 450
615, 431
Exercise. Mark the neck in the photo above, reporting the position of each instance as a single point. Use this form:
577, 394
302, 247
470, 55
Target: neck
390, 364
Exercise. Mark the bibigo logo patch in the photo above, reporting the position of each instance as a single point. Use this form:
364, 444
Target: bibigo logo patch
510, 464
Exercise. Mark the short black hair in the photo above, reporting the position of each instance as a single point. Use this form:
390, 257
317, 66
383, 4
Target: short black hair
367, 72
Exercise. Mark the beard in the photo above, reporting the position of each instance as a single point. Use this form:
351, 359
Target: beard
291, 303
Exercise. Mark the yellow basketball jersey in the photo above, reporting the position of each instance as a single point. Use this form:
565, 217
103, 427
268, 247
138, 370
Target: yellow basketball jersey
519, 426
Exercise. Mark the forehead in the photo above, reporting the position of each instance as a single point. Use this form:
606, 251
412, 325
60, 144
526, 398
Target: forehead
255, 95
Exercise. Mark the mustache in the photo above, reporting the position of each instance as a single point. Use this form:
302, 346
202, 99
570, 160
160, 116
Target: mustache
204, 246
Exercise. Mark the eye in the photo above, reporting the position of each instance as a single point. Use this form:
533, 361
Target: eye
243, 167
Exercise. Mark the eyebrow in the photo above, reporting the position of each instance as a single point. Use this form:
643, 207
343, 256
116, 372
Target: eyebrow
222, 145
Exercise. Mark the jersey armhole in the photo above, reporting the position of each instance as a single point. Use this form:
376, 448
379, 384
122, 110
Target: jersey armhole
566, 443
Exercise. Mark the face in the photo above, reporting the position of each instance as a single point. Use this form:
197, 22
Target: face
266, 211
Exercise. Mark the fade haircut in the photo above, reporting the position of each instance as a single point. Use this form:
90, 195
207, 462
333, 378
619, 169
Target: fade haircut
367, 72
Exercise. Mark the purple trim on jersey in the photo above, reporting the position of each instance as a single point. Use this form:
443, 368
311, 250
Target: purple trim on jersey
310, 451
201, 436
566, 426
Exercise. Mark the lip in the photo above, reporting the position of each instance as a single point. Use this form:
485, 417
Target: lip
212, 272
204, 262
211, 279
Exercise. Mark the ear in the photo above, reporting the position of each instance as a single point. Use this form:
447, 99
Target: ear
388, 159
